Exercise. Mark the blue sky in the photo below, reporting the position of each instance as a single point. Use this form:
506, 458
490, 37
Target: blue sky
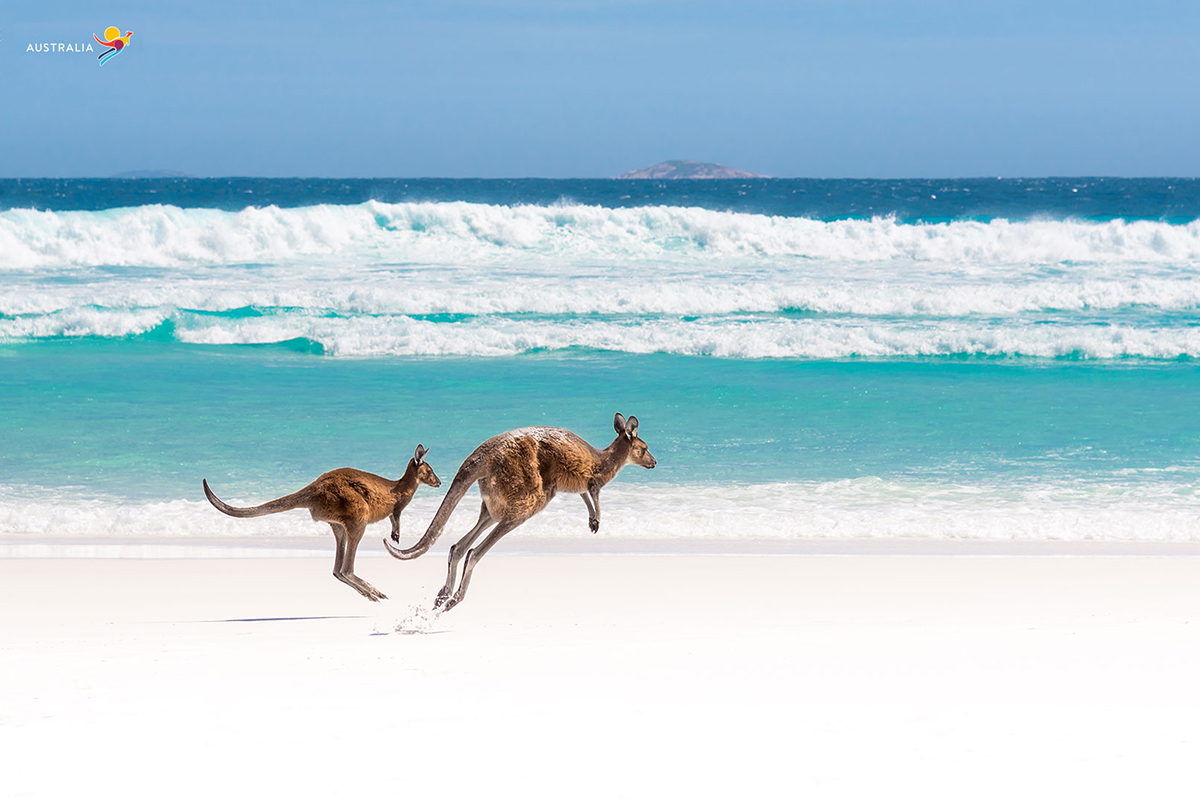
818, 88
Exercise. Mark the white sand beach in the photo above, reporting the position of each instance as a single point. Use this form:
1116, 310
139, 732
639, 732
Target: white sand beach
603, 676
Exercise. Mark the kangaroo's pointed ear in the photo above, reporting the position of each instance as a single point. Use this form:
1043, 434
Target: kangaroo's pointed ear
619, 423
419, 456
631, 427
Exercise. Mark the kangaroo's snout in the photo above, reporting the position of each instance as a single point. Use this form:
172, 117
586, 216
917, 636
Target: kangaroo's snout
428, 477
653, 462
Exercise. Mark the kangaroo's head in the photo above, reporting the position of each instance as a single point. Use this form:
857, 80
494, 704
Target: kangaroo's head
639, 452
424, 471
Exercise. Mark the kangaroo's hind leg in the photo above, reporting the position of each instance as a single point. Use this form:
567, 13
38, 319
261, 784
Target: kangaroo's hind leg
458, 550
476, 554
339, 556
354, 535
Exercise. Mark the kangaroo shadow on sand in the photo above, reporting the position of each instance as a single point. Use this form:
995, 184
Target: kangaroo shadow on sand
284, 619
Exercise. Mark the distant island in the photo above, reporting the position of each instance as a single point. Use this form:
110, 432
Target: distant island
150, 173
675, 170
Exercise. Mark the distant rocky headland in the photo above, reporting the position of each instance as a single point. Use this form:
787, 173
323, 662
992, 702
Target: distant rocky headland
674, 170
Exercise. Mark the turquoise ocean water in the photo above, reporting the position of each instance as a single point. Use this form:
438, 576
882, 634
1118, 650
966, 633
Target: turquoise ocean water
985, 359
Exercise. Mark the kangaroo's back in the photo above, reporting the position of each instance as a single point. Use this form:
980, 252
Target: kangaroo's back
554, 453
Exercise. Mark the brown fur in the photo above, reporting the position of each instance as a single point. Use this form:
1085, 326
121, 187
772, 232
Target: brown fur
519, 473
349, 500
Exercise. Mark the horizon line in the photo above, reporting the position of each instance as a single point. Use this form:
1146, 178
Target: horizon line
587, 178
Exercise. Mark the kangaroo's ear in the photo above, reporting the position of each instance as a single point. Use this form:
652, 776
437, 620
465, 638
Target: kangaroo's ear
419, 456
631, 427
619, 423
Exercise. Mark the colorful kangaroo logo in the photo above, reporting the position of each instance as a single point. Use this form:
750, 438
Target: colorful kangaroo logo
114, 41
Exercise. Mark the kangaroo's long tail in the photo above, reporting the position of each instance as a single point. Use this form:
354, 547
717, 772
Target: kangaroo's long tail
287, 503
468, 473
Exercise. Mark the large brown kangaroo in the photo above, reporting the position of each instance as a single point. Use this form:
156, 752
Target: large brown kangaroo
519, 472
349, 500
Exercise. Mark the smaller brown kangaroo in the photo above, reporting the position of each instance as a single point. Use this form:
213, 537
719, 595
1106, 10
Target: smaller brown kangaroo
349, 500
519, 472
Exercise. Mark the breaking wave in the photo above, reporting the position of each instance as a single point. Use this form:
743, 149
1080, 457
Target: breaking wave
470, 279
166, 236
647, 291
723, 337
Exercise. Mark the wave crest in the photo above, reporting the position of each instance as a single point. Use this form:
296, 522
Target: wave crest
166, 236
718, 337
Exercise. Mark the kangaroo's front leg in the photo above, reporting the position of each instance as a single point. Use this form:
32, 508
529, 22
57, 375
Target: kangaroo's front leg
591, 498
396, 523
593, 519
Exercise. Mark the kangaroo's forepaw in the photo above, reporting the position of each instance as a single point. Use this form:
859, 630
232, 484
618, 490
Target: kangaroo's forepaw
593, 524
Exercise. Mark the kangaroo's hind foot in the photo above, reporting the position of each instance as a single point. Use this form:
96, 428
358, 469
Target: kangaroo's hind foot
362, 587
368, 591
359, 585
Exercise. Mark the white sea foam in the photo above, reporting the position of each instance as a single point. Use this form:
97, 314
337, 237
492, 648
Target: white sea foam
458, 232
748, 339
723, 337
867, 508
824, 289
379, 279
